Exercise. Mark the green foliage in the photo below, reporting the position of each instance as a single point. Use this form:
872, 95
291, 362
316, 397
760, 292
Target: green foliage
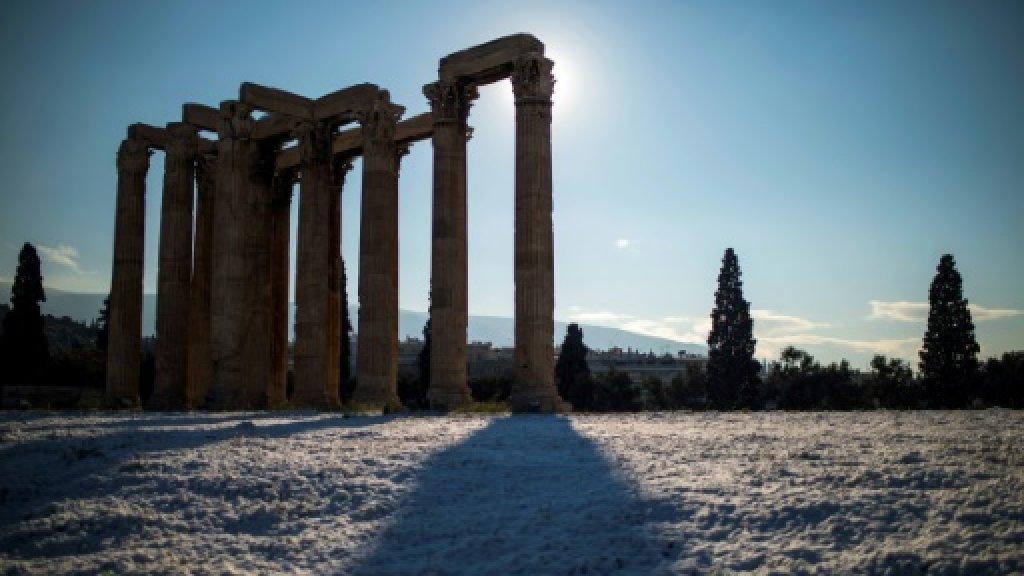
23, 345
490, 390
733, 380
949, 354
614, 392
345, 385
690, 390
572, 374
892, 384
1003, 381
102, 326
799, 382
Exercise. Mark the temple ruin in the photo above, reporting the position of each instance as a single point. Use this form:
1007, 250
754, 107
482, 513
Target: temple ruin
224, 242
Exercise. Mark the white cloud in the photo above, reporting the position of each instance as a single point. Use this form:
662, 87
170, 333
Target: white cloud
623, 243
902, 311
578, 315
63, 255
769, 323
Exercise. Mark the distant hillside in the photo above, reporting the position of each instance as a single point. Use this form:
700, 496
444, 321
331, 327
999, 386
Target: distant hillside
496, 329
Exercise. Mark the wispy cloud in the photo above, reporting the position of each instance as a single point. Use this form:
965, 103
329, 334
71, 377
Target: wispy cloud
63, 255
903, 311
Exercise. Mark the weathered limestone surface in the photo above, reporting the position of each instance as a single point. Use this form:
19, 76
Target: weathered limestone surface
378, 260
317, 350
449, 312
281, 204
259, 344
200, 363
232, 265
534, 386
125, 337
174, 272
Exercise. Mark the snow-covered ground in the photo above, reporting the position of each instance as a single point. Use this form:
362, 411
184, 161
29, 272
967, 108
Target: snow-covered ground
247, 493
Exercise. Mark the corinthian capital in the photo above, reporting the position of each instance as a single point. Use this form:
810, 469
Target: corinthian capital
379, 122
133, 155
532, 80
314, 141
450, 100
182, 141
236, 120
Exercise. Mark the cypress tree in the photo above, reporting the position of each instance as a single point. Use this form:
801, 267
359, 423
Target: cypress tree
733, 380
949, 353
345, 385
26, 352
572, 372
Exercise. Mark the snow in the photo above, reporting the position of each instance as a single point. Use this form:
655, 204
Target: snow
656, 493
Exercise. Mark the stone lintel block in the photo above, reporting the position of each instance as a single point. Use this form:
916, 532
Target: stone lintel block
488, 62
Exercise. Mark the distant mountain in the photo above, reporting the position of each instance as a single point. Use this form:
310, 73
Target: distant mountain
495, 329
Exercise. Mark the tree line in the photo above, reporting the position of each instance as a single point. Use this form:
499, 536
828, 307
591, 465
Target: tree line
949, 374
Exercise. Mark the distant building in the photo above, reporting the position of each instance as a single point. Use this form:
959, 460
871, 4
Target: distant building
641, 366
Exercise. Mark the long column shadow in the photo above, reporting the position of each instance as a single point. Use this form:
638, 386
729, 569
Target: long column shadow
524, 495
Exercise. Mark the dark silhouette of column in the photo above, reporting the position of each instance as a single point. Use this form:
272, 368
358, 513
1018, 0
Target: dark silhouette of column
199, 361
449, 301
174, 269
124, 348
317, 330
534, 386
377, 363
281, 209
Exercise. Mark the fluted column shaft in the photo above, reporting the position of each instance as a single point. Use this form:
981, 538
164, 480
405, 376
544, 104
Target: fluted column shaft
317, 330
534, 387
200, 364
449, 278
174, 268
231, 263
378, 262
281, 240
124, 347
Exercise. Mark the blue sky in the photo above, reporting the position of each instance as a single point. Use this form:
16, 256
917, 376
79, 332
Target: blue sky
840, 148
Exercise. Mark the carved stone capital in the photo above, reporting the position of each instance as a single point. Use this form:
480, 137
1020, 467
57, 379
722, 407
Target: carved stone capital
340, 166
236, 120
532, 80
380, 121
451, 100
182, 144
133, 156
314, 142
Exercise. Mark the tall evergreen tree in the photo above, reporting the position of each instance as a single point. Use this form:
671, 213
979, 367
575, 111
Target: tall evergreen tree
345, 384
24, 346
949, 354
733, 379
572, 372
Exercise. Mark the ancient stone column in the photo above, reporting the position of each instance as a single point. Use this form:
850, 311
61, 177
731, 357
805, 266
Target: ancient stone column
317, 330
174, 268
231, 267
124, 347
377, 363
259, 345
281, 230
200, 364
449, 300
534, 385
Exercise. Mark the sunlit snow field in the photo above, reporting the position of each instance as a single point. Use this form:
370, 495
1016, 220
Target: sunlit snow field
245, 493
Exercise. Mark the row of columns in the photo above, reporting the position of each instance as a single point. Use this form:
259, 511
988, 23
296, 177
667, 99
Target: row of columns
222, 304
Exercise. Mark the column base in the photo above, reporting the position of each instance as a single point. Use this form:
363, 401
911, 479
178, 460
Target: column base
538, 402
445, 400
123, 402
375, 404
